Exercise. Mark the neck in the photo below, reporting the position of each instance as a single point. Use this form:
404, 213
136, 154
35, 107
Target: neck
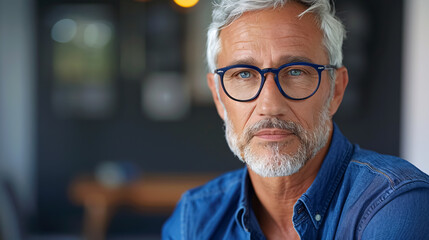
275, 197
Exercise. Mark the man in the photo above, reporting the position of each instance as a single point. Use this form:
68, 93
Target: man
277, 79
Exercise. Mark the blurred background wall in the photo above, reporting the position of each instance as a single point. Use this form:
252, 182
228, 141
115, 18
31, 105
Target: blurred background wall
415, 111
18, 100
97, 88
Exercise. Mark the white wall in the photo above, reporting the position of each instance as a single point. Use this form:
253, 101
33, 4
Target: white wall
415, 84
17, 100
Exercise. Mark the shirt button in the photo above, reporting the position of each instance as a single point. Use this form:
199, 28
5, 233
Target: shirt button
317, 217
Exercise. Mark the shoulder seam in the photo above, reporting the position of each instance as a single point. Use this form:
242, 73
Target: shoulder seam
376, 170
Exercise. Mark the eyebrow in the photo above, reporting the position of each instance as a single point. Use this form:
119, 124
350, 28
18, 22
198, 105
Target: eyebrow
244, 61
283, 60
293, 59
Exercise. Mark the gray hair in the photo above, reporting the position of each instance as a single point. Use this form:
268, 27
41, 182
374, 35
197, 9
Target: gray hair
226, 11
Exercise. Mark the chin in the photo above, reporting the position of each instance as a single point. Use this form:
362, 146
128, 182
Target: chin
273, 161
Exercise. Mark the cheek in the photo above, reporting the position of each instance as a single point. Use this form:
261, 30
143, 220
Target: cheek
320, 103
325, 85
309, 111
237, 114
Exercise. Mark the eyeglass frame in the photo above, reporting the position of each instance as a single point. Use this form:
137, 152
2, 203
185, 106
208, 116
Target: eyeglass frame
275, 71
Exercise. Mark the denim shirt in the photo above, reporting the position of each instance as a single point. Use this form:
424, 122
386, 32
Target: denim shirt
357, 194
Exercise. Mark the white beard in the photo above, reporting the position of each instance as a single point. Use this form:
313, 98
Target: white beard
276, 163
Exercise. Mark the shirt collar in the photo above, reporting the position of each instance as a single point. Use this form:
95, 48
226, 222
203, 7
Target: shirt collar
319, 195
242, 214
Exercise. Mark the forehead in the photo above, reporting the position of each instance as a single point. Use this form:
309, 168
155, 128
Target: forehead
271, 35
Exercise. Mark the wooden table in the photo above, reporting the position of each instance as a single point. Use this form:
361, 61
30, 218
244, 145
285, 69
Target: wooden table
155, 193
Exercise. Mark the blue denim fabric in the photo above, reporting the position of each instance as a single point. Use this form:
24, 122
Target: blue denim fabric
357, 194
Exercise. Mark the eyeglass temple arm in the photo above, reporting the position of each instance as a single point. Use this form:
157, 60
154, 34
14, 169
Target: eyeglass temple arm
330, 67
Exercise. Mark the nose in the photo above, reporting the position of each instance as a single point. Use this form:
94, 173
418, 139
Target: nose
270, 102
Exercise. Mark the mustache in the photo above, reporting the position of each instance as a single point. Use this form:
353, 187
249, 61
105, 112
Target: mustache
290, 126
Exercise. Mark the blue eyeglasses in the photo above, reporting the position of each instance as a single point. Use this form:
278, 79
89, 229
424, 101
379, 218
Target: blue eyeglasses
296, 81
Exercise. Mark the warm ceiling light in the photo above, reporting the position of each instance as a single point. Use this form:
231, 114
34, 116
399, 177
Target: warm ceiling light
186, 3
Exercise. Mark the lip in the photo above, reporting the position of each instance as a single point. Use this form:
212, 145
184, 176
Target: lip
273, 134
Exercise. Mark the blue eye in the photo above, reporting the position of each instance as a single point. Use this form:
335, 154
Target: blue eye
295, 72
245, 74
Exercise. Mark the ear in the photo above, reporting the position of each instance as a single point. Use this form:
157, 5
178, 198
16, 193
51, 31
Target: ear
212, 85
341, 81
